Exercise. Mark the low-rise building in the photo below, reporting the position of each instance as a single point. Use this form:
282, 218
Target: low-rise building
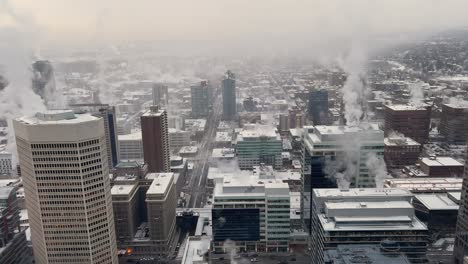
441, 167
366, 216
426, 185
400, 152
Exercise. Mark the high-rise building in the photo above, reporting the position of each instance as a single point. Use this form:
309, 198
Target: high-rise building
328, 143
259, 144
145, 213
201, 99
13, 244
252, 212
461, 233
161, 202
453, 123
108, 114
284, 124
229, 96
63, 160
6, 167
125, 198
317, 107
412, 121
366, 216
155, 138
160, 95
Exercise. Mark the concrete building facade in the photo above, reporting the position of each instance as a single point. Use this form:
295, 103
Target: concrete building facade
201, 99
6, 166
65, 172
453, 123
131, 147
155, 138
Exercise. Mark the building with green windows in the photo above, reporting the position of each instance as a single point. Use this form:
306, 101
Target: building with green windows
259, 144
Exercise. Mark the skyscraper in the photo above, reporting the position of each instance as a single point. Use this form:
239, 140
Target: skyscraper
63, 160
461, 233
201, 99
318, 107
155, 138
229, 96
107, 113
160, 94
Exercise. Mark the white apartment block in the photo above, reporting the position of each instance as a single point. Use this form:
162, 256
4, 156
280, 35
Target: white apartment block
6, 166
63, 160
131, 147
178, 138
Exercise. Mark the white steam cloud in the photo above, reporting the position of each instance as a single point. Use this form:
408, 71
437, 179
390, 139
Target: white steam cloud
17, 40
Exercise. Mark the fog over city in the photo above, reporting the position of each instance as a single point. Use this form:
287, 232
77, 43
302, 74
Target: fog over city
233, 131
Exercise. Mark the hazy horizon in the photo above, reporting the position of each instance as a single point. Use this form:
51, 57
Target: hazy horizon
250, 26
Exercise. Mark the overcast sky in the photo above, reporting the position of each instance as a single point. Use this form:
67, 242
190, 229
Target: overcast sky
243, 22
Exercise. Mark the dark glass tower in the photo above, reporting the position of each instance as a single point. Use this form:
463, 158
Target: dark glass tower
318, 107
229, 96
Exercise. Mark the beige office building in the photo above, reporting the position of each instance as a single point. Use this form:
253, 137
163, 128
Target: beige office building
63, 160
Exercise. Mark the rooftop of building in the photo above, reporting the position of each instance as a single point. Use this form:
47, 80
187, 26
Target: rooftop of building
363, 192
437, 201
250, 186
160, 184
458, 104
256, 131
195, 249
367, 132
222, 136
408, 107
131, 137
51, 117
370, 216
188, 150
440, 161
122, 189
128, 164
9, 182
125, 178
370, 254
223, 153
368, 205
155, 175
400, 141
5, 192
425, 184
153, 111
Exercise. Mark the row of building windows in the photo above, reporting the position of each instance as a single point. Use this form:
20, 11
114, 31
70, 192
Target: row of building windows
49, 146
88, 143
87, 150
55, 159
55, 152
